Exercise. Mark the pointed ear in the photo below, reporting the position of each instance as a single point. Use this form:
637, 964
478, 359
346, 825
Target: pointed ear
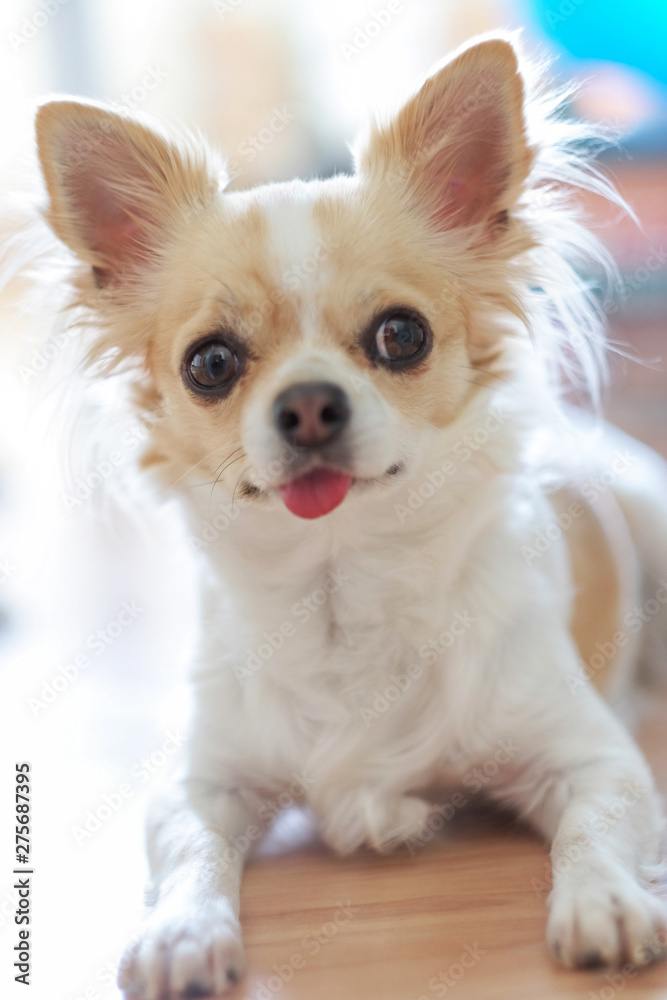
117, 189
458, 147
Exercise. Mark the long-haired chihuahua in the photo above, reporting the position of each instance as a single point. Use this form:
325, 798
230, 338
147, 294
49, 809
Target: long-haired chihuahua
425, 560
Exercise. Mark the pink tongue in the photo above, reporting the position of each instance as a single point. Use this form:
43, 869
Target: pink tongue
317, 493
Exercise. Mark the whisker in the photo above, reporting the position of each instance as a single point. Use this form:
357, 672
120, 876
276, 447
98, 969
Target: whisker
231, 454
225, 465
199, 463
196, 486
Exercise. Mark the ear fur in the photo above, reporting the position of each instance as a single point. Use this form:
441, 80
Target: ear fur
459, 145
117, 188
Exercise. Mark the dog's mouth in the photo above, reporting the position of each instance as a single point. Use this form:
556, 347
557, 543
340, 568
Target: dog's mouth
316, 493
320, 490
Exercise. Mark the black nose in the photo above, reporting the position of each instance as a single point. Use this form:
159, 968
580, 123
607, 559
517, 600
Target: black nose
311, 414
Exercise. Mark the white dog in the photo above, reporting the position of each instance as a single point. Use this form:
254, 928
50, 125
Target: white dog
367, 368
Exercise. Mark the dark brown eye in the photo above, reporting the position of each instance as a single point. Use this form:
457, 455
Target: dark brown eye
400, 339
213, 365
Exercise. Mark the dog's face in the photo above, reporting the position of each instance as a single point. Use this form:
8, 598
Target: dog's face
302, 339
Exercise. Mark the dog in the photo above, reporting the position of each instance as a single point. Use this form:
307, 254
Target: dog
422, 554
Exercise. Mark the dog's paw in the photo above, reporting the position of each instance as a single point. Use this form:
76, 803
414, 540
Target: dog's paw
183, 953
398, 821
363, 817
610, 920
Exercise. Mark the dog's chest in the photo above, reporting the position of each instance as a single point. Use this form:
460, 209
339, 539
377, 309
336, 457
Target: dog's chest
349, 653
348, 665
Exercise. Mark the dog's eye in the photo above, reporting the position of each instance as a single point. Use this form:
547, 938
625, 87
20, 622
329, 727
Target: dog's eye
401, 338
213, 365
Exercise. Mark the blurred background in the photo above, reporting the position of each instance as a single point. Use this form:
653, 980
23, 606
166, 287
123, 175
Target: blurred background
97, 605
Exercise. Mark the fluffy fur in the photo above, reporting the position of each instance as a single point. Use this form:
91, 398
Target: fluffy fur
451, 565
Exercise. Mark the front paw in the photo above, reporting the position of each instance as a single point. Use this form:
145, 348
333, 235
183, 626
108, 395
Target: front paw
605, 919
184, 950
382, 822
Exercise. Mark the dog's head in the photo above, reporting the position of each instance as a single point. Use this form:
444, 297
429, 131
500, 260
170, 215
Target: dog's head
300, 339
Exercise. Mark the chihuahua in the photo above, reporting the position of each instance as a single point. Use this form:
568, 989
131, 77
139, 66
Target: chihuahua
424, 563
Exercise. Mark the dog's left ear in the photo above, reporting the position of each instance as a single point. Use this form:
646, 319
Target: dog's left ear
458, 147
118, 189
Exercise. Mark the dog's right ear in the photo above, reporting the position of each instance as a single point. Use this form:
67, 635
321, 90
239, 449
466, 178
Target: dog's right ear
458, 147
118, 189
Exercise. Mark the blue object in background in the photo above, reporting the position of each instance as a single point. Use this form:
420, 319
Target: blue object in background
633, 32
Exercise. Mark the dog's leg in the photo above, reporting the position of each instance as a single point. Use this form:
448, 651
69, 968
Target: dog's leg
582, 781
190, 943
601, 911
